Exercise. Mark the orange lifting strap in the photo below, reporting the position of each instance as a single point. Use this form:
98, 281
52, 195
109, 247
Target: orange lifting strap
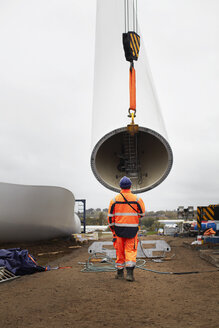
132, 88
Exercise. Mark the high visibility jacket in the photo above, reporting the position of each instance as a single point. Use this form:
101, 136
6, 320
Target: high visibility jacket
122, 218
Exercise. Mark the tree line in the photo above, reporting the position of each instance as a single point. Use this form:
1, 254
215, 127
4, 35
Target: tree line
148, 222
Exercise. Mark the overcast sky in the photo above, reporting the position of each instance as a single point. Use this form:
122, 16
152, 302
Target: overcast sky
46, 85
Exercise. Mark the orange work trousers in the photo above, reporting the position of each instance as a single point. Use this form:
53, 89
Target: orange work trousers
126, 251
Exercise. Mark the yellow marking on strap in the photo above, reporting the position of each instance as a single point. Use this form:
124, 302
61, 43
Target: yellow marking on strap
137, 44
132, 49
134, 44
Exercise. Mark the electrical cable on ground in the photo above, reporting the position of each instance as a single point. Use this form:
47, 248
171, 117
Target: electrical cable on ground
108, 265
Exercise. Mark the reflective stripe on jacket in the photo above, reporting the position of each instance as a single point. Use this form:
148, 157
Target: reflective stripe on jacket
122, 218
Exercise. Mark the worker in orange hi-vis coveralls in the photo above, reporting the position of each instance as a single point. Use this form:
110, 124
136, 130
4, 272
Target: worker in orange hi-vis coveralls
123, 218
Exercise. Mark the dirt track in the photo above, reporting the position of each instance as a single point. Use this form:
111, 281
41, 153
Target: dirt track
70, 298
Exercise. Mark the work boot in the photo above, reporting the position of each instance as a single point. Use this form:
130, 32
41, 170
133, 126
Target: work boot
130, 276
119, 274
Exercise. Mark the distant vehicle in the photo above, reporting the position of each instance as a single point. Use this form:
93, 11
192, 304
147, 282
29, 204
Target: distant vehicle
171, 229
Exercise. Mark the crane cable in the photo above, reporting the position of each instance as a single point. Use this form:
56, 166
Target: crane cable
127, 15
131, 45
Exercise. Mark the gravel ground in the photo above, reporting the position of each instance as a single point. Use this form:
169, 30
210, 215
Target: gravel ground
70, 298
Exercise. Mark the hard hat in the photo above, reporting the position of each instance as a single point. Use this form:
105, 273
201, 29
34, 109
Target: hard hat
125, 183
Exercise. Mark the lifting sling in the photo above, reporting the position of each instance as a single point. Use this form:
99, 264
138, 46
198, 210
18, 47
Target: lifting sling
132, 88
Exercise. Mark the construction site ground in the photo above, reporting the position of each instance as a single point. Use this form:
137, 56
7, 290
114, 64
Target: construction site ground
70, 298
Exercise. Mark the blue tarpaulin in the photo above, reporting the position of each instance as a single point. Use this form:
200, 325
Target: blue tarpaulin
19, 261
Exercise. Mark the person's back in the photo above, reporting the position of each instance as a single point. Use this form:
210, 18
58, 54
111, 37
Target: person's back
123, 217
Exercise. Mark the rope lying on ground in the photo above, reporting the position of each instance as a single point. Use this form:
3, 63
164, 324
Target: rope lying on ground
106, 264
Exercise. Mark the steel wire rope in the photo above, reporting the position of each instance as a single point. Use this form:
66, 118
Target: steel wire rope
127, 15
136, 11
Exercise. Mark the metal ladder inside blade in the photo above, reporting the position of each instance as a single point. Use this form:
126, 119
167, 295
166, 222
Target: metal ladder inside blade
131, 160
